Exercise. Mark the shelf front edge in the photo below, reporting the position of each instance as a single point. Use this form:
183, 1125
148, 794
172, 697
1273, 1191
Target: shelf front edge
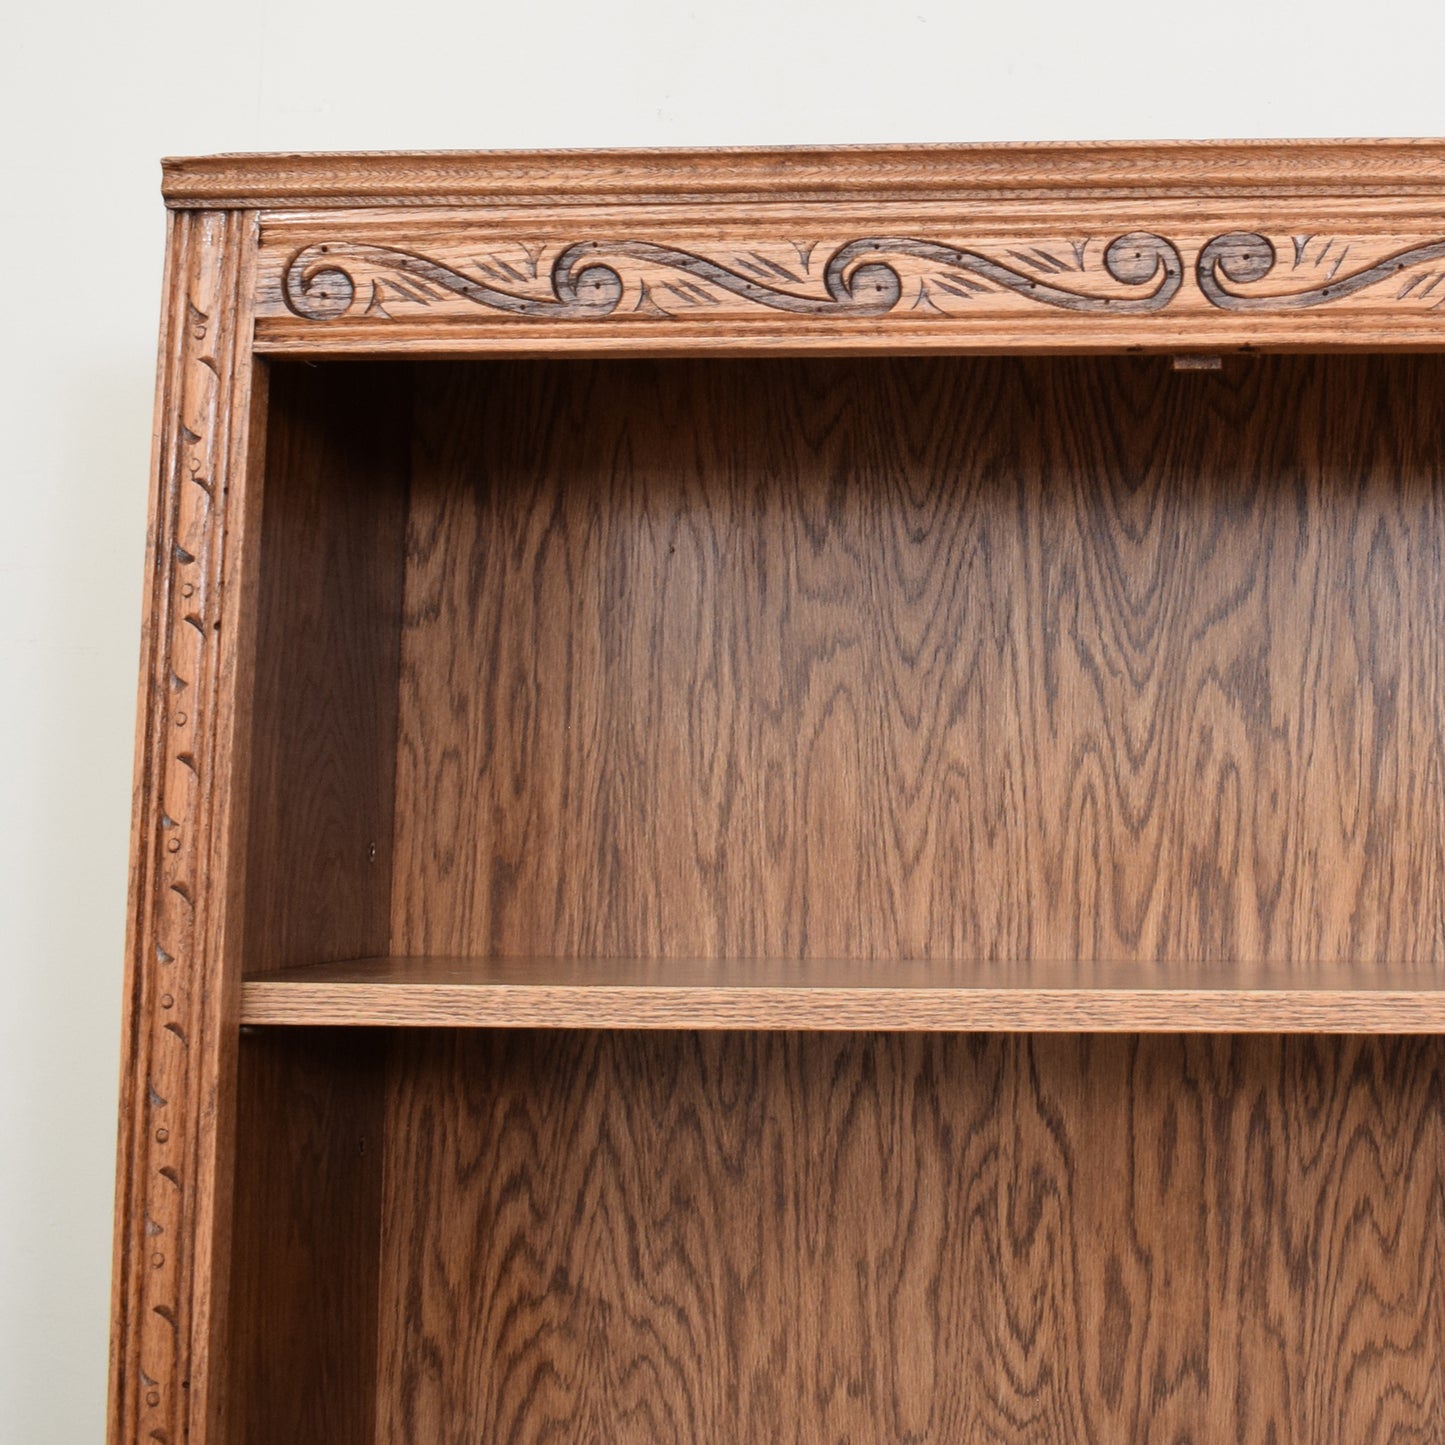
275, 1001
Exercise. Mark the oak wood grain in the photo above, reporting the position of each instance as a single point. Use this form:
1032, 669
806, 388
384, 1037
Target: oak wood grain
846, 995
887, 275
946, 662
321, 761
306, 1248
182, 972
956, 660
672, 1238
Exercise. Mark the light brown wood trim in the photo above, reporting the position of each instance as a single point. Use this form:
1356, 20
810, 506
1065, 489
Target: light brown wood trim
763, 174
1071, 275
181, 1004
709, 994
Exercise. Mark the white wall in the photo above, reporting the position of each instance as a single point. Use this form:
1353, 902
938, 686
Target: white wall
93, 94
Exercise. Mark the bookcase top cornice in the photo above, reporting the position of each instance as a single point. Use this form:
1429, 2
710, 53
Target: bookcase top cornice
801, 173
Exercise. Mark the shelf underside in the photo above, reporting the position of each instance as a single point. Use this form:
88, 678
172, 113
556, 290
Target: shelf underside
843, 994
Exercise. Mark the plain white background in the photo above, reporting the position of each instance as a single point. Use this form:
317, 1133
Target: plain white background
93, 94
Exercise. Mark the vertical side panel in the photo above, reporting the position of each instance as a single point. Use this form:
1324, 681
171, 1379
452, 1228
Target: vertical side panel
309, 1118
182, 991
322, 761
319, 782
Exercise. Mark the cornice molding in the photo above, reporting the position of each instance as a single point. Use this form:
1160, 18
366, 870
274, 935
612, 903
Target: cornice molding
912, 173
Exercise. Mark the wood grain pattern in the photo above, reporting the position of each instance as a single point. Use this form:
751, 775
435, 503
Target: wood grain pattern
749, 175
306, 1242
672, 1238
322, 754
946, 661
1157, 274
968, 660
1327, 244
846, 995
182, 994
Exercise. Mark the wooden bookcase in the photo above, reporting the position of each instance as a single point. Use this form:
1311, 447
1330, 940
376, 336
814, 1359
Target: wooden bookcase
792, 796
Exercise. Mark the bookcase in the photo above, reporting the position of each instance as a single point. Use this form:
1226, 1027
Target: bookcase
792, 795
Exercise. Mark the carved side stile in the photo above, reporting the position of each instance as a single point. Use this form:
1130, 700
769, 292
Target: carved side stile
178, 993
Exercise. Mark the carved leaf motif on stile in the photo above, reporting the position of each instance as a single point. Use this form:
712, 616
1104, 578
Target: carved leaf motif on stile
175, 891
174, 844
1135, 273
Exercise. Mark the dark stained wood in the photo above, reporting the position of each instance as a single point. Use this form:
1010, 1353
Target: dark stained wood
967, 659
304, 1261
936, 663
322, 756
846, 995
673, 1238
319, 775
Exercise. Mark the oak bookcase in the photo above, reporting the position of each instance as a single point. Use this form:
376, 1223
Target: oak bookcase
792, 796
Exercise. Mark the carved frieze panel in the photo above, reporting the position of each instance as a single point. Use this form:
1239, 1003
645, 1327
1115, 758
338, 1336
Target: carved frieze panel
928, 283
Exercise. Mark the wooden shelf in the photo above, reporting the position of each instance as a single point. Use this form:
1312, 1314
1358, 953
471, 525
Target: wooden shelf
718, 994
626, 565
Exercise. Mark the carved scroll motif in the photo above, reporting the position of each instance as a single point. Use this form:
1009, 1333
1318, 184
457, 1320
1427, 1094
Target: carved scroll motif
1242, 258
1140, 272
1136, 273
